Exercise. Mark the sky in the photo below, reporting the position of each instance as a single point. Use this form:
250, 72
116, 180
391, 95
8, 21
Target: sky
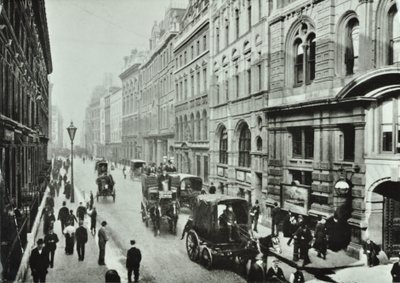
89, 38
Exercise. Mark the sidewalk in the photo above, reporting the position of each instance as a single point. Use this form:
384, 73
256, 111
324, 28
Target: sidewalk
334, 260
67, 268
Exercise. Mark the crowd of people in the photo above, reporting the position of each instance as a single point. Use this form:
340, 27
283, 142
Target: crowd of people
42, 256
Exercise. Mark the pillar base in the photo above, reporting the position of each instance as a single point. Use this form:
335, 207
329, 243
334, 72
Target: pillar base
354, 250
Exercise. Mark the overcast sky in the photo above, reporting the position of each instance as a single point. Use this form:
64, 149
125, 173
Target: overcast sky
89, 38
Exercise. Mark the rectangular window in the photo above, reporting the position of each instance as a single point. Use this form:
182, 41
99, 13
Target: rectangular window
205, 79
348, 142
185, 57
237, 85
387, 125
198, 83
198, 47
226, 87
302, 142
217, 40
198, 165
206, 169
186, 88
192, 85
249, 81
303, 177
226, 35
217, 90
249, 15
205, 42
237, 23
192, 52
259, 71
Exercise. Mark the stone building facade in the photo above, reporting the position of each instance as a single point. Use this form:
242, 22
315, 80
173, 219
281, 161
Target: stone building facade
192, 55
130, 105
238, 77
332, 115
25, 63
158, 91
115, 145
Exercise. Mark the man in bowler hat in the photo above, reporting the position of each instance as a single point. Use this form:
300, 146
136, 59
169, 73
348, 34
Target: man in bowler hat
81, 240
133, 259
39, 262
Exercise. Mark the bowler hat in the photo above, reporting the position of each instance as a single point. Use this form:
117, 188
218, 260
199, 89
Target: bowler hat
104, 223
40, 242
133, 242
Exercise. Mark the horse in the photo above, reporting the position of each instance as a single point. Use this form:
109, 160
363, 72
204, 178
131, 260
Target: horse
155, 216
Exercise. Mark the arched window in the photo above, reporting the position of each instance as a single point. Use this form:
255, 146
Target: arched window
191, 127
352, 46
259, 143
205, 126
299, 58
302, 48
394, 36
198, 128
223, 147
245, 146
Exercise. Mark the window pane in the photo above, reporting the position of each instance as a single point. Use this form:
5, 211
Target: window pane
296, 143
387, 112
387, 138
309, 143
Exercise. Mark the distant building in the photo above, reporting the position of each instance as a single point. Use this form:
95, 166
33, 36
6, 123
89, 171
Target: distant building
192, 76
115, 142
157, 102
131, 126
57, 128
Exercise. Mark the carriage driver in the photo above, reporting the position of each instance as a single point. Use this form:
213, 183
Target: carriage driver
228, 220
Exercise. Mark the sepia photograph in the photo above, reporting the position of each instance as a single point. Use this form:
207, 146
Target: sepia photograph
185, 141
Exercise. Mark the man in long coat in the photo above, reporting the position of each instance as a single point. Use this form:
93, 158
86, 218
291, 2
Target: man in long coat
275, 273
81, 240
133, 259
51, 240
39, 262
63, 214
103, 238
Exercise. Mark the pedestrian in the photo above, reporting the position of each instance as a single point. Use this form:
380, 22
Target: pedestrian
133, 259
395, 271
276, 243
81, 211
81, 240
124, 171
112, 276
255, 214
257, 270
48, 221
49, 202
39, 262
297, 276
91, 200
67, 189
103, 238
72, 218
52, 189
304, 237
212, 189
371, 250
57, 186
221, 188
288, 224
63, 214
275, 273
321, 240
69, 233
50, 241
275, 214
93, 217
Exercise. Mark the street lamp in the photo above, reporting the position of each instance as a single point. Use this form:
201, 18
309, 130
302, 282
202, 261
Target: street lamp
71, 132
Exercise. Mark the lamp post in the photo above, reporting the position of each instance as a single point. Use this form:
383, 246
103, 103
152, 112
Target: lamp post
71, 132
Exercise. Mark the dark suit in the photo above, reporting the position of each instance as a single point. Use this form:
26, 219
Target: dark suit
51, 241
63, 214
257, 272
81, 239
395, 272
161, 179
133, 259
39, 262
275, 276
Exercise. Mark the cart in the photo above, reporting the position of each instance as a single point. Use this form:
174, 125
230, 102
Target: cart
188, 188
207, 240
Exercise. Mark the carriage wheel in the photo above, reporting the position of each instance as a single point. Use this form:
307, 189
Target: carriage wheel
192, 246
240, 263
206, 258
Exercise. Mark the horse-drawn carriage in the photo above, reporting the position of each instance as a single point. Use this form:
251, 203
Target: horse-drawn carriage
212, 236
188, 188
137, 167
159, 203
105, 182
